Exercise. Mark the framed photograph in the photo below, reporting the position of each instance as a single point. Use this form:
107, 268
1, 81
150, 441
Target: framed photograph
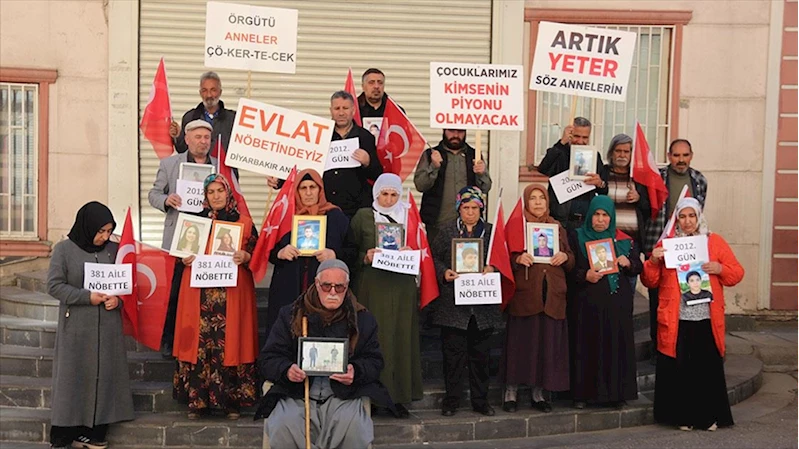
467, 255
543, 241
227, 237
389, 236
319, 356
694, 284
195, 172
373, 125
191, 235
308, 233
582, 161
602, 255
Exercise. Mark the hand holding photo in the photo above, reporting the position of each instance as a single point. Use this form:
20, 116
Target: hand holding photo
227, 238
191, 235
319, 356
602, 256
543, 241
308, 233
582, 161
389, 236
467, 255
694, 284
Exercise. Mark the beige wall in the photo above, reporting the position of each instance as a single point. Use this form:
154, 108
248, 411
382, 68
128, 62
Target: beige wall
722, 113
70, 37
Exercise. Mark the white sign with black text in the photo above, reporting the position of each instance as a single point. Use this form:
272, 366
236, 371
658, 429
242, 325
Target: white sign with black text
405, 262
191, 195
111, 279
214, 271
340, 154
567, 189
682, 250
476, 289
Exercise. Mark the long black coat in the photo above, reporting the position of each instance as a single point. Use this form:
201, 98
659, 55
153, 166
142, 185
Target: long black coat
280, 352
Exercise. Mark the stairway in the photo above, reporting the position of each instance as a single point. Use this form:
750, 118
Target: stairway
27, 334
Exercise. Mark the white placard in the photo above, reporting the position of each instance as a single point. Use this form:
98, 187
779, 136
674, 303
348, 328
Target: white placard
583, 61
405, 262
476, 96
214, 271
566, 189
340, 154
111, 279
247, 37
683, 250
478, 289
191, 195
270, 140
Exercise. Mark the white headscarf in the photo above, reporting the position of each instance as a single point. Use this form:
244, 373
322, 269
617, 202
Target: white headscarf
388, 181
701, 223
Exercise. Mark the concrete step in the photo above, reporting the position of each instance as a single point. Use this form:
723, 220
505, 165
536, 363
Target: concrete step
35, 281
17, 302
27, 332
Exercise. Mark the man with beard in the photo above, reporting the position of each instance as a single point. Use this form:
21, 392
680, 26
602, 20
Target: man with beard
372, 101
676, 175
212, 110
631, 198
442, 172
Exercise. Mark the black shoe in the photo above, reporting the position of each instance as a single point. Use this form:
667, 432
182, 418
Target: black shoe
400, 411
620, 405
579, 405
509, 406
448, 411
543, 406
486, 410
166, 351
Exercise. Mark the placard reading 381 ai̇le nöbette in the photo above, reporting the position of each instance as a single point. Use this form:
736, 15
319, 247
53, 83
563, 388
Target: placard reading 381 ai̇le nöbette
582, 61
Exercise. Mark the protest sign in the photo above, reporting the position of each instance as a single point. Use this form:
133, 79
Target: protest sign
270, 140
191, 195
478, 289
566, 188
476, 96
583, 61
111, 279
213, 271
247, 37
405, 262
340, 154
682, 250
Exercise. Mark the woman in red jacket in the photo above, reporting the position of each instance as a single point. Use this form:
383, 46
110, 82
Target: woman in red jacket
690, 388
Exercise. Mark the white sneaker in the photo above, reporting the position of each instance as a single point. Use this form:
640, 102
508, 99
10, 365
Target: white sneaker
712, 428
686, 428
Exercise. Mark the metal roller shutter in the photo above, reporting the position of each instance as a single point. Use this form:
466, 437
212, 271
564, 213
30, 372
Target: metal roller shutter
400, 37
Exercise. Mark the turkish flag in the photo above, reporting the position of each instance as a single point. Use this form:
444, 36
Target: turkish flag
144, 311
400, 144
515, 229
644, 170
349, 87
158, 115
416, 238
671, 226
221, 155
276, 224
499, 257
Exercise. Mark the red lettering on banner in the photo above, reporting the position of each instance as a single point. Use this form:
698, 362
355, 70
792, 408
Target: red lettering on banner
244, 115
583, 65
302, 130
279, 131
320, 127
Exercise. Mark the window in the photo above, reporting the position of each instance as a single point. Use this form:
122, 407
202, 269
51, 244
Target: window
653, 87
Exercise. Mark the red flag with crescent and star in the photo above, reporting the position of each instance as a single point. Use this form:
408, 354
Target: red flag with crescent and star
416, 238
400, 144
157, 115
276, 224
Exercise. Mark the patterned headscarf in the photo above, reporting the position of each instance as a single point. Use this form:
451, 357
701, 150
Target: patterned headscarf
701, 223
470, 194
231, 210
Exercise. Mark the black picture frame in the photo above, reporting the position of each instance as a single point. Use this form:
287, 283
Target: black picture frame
335, 363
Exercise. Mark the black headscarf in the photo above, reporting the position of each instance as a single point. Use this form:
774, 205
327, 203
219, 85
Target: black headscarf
90, 218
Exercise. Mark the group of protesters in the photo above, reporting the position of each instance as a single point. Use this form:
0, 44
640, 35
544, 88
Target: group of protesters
568, 326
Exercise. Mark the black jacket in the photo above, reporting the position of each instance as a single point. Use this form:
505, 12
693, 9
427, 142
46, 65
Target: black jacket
223, 124
431, 199
350, 188
281, 349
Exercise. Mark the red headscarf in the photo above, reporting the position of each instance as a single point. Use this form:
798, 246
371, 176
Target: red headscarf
322, 205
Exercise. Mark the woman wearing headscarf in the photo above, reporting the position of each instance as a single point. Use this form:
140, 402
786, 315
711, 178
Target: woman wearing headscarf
91, 387
690, 387
537, 336
293, 274
395, 308
465, 330
604, 349
216, 329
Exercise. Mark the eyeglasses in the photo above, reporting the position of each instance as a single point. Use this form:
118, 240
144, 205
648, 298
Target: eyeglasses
326, 286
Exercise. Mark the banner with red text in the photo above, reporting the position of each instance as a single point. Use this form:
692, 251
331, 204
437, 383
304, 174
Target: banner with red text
583, 61
476, 96
270, 140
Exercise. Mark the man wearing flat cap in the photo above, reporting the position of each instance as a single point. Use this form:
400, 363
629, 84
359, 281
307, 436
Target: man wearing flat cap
163, 197
337, 414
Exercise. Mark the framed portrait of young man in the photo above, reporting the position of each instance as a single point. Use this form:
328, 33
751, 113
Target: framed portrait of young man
227, 236
389, 236
191, 235
308, 233
602, 256
467, 255
543, 241
319, 356
195, 172
582, 161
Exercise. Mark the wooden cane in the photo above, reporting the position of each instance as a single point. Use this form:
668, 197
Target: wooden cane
477, 144
307, 394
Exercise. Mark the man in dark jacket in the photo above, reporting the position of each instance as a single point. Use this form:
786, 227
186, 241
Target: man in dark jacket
631, 198
572, 213
211, 109
372, 101
337, 414
442, 172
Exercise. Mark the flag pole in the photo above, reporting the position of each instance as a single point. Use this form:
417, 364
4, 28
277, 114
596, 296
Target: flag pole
307, 394
477, 144
573, 110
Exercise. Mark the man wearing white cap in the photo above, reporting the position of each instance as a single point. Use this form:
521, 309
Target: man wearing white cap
163, 197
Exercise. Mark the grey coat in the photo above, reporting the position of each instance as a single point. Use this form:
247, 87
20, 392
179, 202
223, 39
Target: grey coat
91, 385
165, 184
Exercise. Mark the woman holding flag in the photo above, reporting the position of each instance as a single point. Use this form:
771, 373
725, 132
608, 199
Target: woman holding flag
216, 329
395, 308
537, 338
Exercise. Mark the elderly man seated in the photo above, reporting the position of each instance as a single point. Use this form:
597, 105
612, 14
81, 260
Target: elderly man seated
338, 418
